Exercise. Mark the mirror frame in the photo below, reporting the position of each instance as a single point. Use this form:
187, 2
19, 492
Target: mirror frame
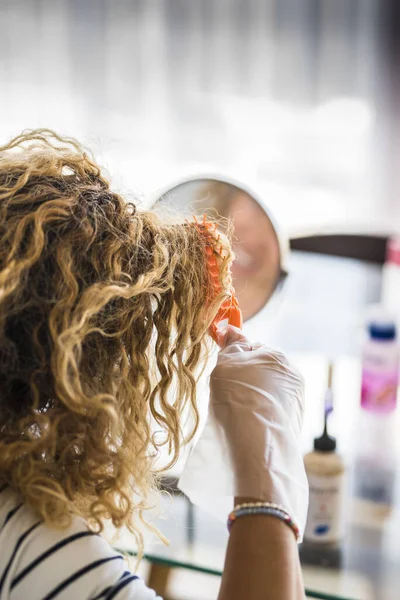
283, 239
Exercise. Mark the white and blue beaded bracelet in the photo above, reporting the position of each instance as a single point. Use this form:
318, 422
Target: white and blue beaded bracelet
262, 508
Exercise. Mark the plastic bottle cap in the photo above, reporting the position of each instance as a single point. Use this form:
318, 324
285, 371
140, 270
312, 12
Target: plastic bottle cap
382, 331
393, 251
325, 443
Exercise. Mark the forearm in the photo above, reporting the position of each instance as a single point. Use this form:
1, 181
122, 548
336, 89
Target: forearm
262, 561
257, 400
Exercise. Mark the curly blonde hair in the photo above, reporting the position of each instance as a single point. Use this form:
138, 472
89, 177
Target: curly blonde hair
102, 316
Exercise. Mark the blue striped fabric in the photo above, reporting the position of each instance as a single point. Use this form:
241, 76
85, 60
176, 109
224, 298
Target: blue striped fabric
77, 575
47, 553
41, 563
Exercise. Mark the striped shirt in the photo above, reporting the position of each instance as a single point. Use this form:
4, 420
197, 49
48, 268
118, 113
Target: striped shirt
41, 563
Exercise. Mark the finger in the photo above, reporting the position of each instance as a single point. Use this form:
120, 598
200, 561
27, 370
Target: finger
231, 335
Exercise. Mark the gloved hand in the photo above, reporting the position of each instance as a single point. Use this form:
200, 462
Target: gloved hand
250, 444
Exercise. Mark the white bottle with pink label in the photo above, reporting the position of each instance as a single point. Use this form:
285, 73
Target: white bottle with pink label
380, 366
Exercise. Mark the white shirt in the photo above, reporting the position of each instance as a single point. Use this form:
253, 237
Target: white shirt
38, 562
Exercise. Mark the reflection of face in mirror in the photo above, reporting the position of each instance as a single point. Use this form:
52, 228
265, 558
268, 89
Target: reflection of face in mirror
257, 266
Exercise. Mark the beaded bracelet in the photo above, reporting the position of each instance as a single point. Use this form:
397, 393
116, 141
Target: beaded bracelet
263, 508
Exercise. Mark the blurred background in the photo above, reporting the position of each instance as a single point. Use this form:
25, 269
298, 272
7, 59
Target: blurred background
296, 96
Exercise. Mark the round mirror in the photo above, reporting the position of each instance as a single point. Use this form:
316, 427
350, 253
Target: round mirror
258, 267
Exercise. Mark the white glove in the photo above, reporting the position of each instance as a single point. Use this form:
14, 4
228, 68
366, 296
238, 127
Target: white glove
250, 444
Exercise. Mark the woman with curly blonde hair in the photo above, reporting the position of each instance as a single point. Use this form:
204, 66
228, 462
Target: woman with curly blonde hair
103, 332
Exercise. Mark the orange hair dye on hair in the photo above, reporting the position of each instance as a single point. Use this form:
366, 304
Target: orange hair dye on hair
229, 309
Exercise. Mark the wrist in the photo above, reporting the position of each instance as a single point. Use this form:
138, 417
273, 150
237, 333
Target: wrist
244, 500
262, 509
